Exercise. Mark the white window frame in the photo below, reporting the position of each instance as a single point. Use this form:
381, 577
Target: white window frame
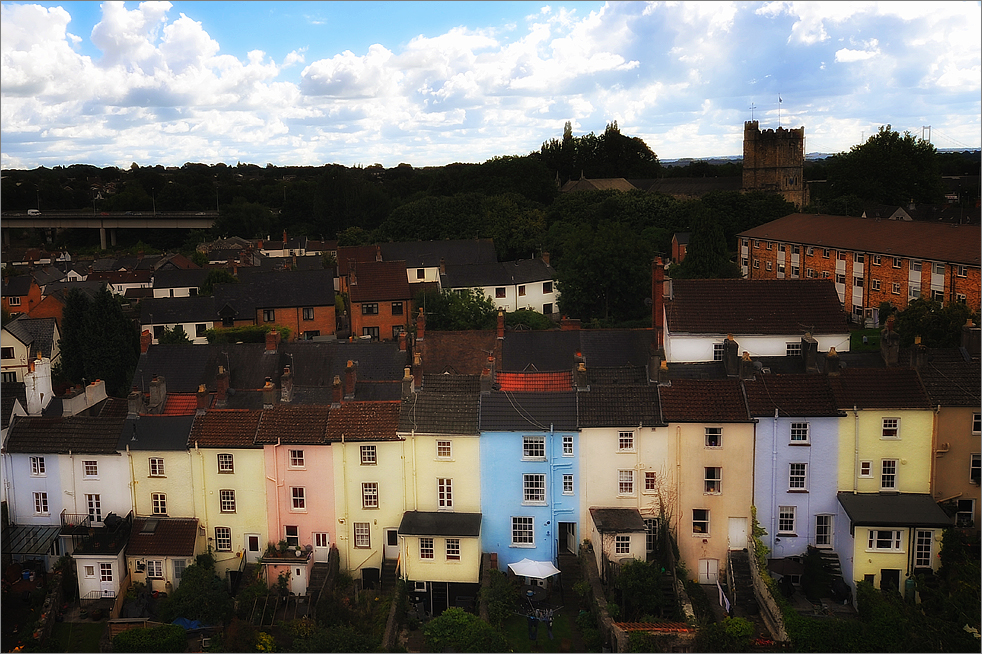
427, 550
37, 466
568, 445
975, 468
155, 569
533, 448
866, 469
792, 349
363, 535
534, 489
890, 429
369, 455
800, 432
223, 539
452, 546
93, 503
625, 483
650, 482
156, 466
298, 499
444, 449
700, 517
567, 484
714, 434
226, 500
106, 573
444, 492
522, 531
226, 463
625, 441
888, 474
797, 476
712, 480
90, 469
41, 503
977, 423
923, 548
622, 544
88, 571
874, 284
786, 520
297, 460
875, 541
369, 495
158, 503
718, 351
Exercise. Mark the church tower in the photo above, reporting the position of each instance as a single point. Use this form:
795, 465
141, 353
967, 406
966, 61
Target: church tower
774, 162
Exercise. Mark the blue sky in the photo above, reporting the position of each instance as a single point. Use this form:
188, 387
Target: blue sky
311, 83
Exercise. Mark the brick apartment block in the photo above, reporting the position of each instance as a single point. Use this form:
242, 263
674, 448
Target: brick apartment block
871, 261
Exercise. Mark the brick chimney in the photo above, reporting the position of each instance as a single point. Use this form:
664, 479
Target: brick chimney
286, 386
443, 266
746, 366
407, 383
350, 378
420, 325
221, 387
568, 324
501, 324
889, 344
663, 379
203, 399
272, 341
832, 364
809, 352
134, 403
146, 339
658, 301
918, 354
378, 252
158, 394
269, 394
336, 391
402, 341
970, 339
545, 257
486, 380
731, 356
352, 276
655, 358
579, 377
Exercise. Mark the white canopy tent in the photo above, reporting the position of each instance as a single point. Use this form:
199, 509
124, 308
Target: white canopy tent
534, 569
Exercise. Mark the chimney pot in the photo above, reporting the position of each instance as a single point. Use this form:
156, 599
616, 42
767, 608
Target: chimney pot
501, 324
336, 392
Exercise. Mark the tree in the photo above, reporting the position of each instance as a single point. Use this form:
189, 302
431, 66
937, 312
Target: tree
938, 325
176, 336
201, 596
707, 256
163, 638
456, 310
458, 631
216, 276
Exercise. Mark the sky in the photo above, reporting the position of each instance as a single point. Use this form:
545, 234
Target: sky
432, 83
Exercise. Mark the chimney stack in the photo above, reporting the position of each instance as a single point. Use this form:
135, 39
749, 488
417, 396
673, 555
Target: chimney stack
407, 383
443, 266
134, 403
221, 388
663, 379
286, 386
501, 324
731, 356
352, 276
918, 354
809, 352
970, 339
336, 391
486, 380
402, 341
350, 377
832, 365
545, 257
158, 394
569, 324
746, 366
269, 394
889, 344
658, 301
272, 341
579, 375
655, 358
146, 338
203, 399
420, 325
378, 252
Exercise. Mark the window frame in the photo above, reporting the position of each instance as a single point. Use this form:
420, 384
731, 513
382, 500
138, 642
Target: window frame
291, 534
369, 495
446, 445
226, 500
369, 455
866, 469
800, 433
531, 445
427, 551
975, 468
155, 569
369, 308
308, 313
874, 285
444, 493
397, 308
93, 504
533, 489
106, 572
297, 460
568, 445
797, 477
226, 463
41, 506
874, 540
568, 484
546, 287
977, 423
650, 481
625, 482
712, 480
156, 466
792, 349
452, 549
90, 469
158, 503
223, 539
37, 467
622, 544
298, 499
362, 535
714, 434
499, 292
923, 556
522, 531
888, 474
890, 429
269, 315
625, 441
701, 517
787, 520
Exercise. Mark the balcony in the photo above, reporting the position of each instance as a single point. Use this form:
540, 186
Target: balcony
75, 524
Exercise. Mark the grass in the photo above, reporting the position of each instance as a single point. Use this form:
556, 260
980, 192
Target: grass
76, 637
517, 635
872, 337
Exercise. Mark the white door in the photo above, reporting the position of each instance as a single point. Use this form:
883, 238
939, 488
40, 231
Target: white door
252, 548
391, 549
738, 533
571, 543
823, 530
107, 582
322, 546
298, 584
708, 571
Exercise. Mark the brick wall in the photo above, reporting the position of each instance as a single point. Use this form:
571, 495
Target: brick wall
388, 316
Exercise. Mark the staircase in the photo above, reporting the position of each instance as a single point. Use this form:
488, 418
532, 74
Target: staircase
315, 582
830, 561
742, 589
669, 602
389, 576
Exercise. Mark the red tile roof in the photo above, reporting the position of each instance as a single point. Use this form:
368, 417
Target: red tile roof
535, 381
378, 281
181, 404
703, 400
225, 428
879, 388
171, 537
293, 424
364, 421
895, 238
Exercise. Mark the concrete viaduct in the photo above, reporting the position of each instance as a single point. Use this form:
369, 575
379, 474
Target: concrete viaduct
108, 221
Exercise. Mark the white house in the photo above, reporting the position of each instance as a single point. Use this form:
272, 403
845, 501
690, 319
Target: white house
512, 285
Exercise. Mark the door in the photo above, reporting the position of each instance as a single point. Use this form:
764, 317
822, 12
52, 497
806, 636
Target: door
708, 571
391, 549
322, 546
890, 578
252, 548
823, 530
570, 542
738, 533
107, 584
298, 584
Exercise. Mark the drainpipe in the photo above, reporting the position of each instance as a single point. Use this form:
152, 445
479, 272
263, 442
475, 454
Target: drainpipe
773, 530
344, 501
74, 487
276, 483
129, 455
204, 487
415, 499
934, 459
855, 463
678, 477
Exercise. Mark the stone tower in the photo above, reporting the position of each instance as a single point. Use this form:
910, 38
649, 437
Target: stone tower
774, 162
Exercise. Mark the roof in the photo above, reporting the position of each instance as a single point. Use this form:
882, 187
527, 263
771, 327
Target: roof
374, 281
616, 520
893, 510
78, 434
290, 423
440, 523
695, 186
364, 421
470, 275
427, 254
754, 306
17, 285
703, 400
950, 379
11, 392
39, 333
608, 184
620, 406
879, 388
270, 290
357, 253
235, 428
525, 271
463, 352
179, 278
156, 433
163, 537
451, 383
896, 238
440, 413
556, 349
534, 381
31, 540
607, 376
790, 395
506, 411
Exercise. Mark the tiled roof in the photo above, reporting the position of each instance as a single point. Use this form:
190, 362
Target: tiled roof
180, 404
440, 413
949, 379
293, 424
754, 306
607, 376
42, 330
462, 352
122, 276
534, 381
79, 434
605, 184
703, 400
792, 395
440, 523
270, 290
363, 421
895, 238
9, 393
113, 407
616, 520
448, 383
156, 433
879, 388
556, 350
900, 510
179, 278
169, 537
225, 428
379, 281
155, 311
505, 411
427, 254
619, 406
17, 285
469, 275
356, 253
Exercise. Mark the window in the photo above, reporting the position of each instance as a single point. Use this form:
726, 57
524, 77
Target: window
938, 268
923, 541
179, 565
547, 287
368, 455
567, 484
858, 257
650, 482
714, 437
977, 423
865, 468
913, 291
796, 249
857, 282
780, 268
443, 450
37, 466
897, 262
965, 515
371, 332
842, 255
363, 535
155, 569
369, 495
14, 302
961, 271
533, 447
700, 521
426, 548
793, 349
90, 468
877, 259
296, 459
308, 313
884, 539
650, 534
158, 331
795, 271
915, 264
797, 476
960, 297
225, 463
891, 428
810, 273
499, 292
625, 440
521, 291
976, 469
41, 503
622, 544
785, 519
823, 530
780, 247
756, 243
717, 351
826, 253
292, 534
895, 288
888, 473
713, 481
227, 321
444, 492
94, 504
299, 498
547, 309
226, 500
826, 274
106, 572
625, 482
156, 467
840, 278
874, 284
799, 432
757, 264
768, 266
453, 549
223, 539
522, 531
369, 309
200, 329
397, 308
534, 487
269, 315
8, 377
770, 245
567, 445
420, 273
158, 502
89, 571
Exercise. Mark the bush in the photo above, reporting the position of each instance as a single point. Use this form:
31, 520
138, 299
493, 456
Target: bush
244, 334
459, 631
501, 596
165, 638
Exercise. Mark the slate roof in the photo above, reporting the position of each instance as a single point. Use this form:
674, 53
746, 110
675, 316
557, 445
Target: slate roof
179, 278
156, 433
791, 395
534, 381
607, 376
59, 289
378, 281
879, 388
620, 406
43, 330
357, 253
605, 184
289, 423
616, 520
695, 186
703, 400
440, 523
895, 238
271, 290
9, 393
450, 383
155, 311
440, 413
754, 306
893, 510
17, 285
121, 276
556, 350
505, 411
364, 421
427, 254
507, 273
225, 428
462, 352
950, 379
79, 434
47, 274
169, 537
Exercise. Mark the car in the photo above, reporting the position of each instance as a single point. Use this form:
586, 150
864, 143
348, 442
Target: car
33, 212
128, 213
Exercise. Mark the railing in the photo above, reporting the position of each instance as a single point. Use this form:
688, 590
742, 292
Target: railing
75, 523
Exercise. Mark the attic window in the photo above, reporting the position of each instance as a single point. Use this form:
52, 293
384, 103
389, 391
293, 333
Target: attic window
7, 353
420, 273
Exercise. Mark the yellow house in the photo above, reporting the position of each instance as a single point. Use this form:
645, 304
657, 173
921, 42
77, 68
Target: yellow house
160, 465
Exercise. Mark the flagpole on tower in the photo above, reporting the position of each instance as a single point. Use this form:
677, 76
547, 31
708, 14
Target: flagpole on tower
779, 101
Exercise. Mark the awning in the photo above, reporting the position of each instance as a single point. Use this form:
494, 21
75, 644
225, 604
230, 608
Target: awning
534, 569
440, 523
29, 540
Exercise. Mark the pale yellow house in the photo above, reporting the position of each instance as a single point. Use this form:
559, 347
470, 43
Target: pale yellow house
160, 465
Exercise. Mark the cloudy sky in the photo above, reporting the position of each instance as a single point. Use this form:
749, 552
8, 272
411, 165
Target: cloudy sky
434, 83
